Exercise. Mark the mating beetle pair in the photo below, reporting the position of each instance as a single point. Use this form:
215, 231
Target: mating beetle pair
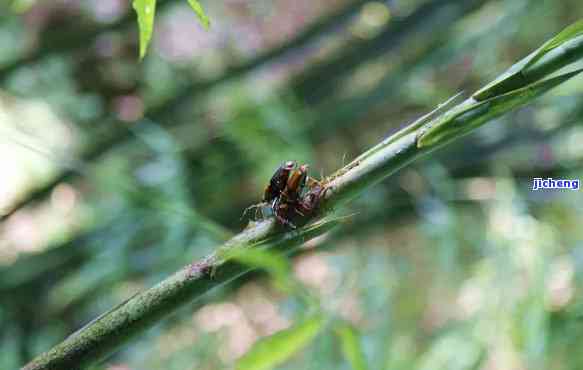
292, 194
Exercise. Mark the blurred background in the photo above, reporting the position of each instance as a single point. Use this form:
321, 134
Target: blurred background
115, 173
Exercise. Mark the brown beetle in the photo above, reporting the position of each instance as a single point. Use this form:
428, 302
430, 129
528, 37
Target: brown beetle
286, 205
300, 198
291, 194
278, 182
311, 199
273, 190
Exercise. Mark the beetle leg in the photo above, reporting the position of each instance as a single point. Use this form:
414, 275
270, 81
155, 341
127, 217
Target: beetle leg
253, 206
300, 210
285, 222
281, 211
259, 213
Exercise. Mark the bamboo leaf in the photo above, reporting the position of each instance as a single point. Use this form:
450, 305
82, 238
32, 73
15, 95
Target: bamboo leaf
410, 128
202, 17
276, 349
146, 10
572, 31
508, 81
516, 77
351, 348
473, 115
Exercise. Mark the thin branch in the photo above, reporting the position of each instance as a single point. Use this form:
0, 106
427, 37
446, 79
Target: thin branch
111, 330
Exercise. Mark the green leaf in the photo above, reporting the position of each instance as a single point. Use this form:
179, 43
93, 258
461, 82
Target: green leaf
572, 31
351, 347
146, 9
518, 75
441, 108
471, 114
204, 20
276, 349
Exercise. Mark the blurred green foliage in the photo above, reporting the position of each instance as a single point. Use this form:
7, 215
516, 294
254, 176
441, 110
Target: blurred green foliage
125, 171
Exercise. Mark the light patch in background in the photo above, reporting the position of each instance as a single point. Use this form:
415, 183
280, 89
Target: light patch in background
261, 309
64, 198
480, 188
371, 20
314, 270
573, 145
559, 284
470, 299
34, 146
232, 318
31, 230
119, 367
171, 42
107, 11
32, 139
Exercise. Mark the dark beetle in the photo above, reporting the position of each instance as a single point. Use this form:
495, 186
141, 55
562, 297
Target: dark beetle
278, 182
291, 194
286, 205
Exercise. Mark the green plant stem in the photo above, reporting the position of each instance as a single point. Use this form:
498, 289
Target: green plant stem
114, 328
108, 332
